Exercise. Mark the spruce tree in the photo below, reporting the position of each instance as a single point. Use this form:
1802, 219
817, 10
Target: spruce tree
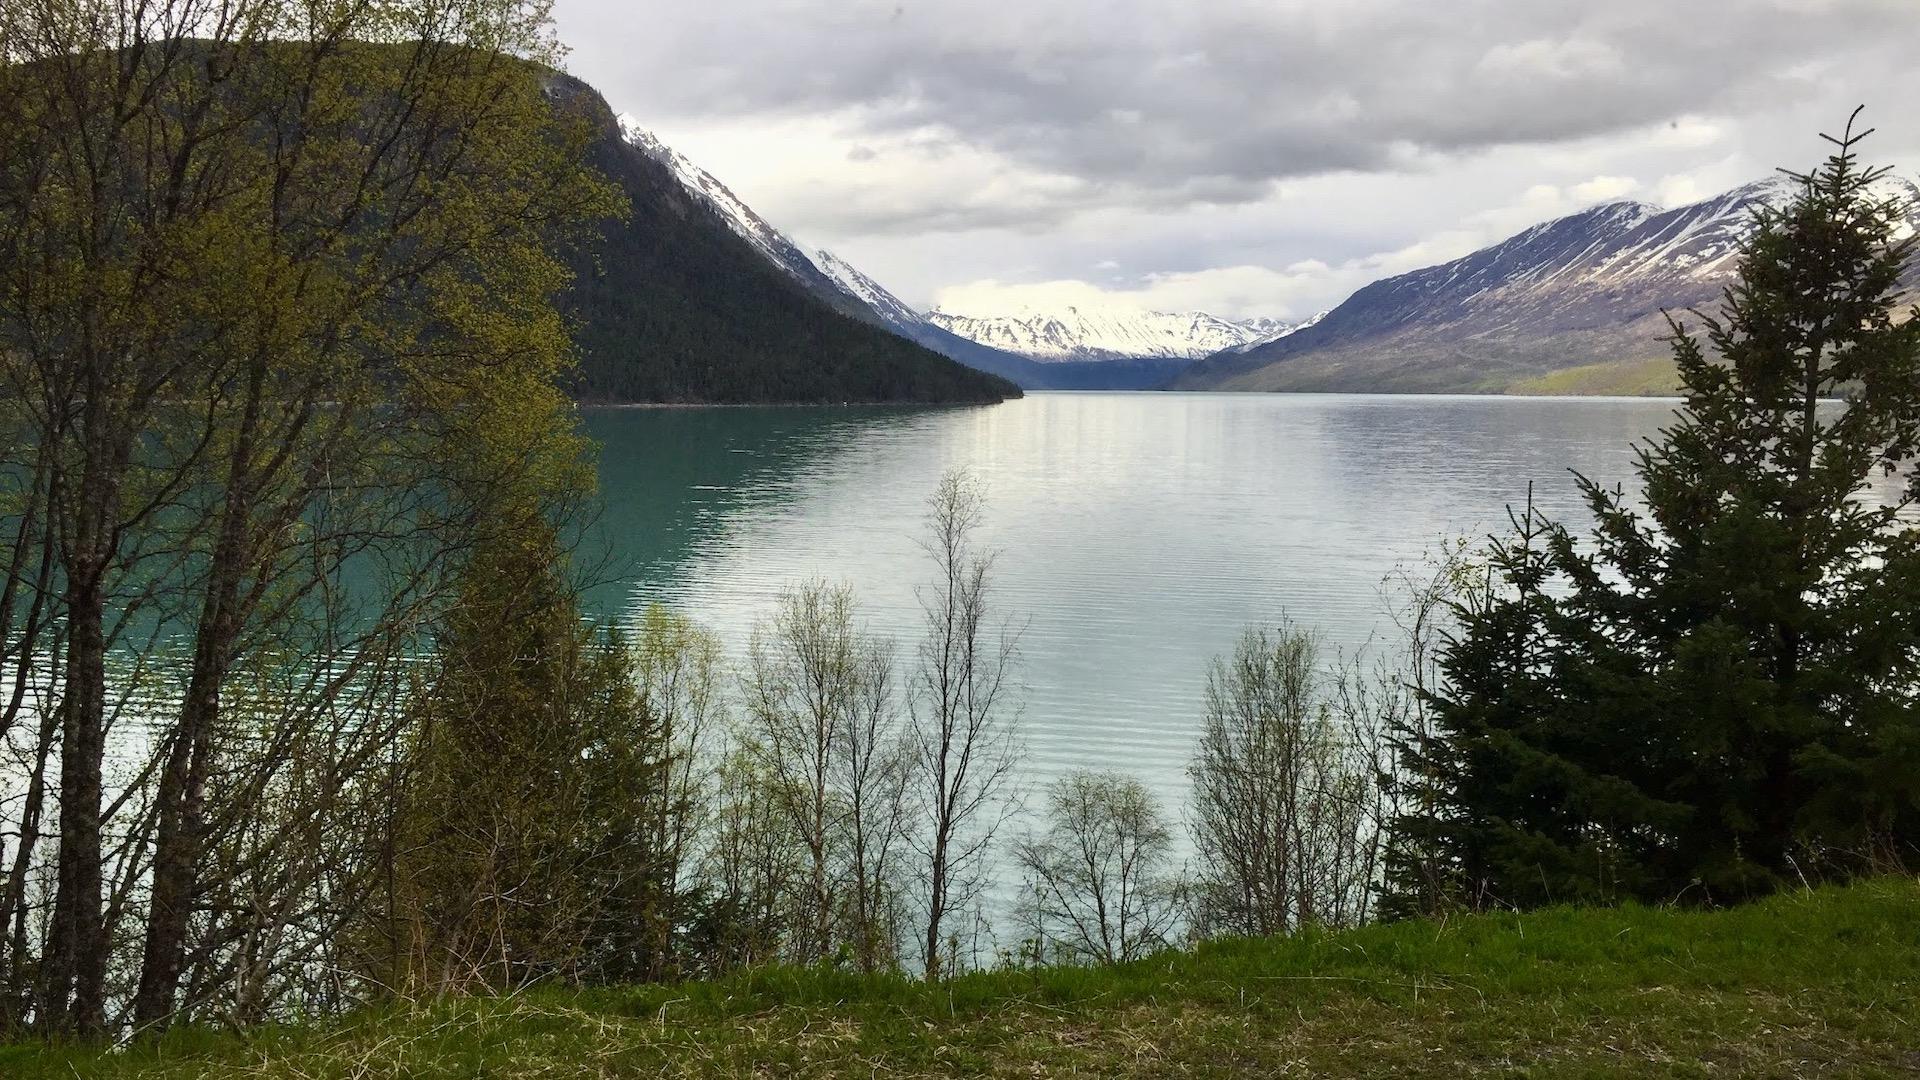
523, 830
1713, 692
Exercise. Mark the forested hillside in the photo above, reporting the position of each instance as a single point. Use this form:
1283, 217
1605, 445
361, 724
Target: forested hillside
671, 306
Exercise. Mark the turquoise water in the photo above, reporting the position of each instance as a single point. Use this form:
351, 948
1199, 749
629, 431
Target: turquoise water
1138, 533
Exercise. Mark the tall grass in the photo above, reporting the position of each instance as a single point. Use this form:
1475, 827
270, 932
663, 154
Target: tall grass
1819, 982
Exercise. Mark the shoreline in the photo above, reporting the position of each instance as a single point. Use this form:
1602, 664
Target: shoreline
1412, 395
786, 404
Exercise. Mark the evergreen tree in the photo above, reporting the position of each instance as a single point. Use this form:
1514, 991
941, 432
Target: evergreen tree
1714, 692
525, 826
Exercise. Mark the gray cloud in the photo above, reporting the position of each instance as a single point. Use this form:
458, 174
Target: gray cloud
1161, 97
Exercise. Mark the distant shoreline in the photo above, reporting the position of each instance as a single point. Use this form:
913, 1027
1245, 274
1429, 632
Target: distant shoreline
1412, 394
788, 404
1140, 393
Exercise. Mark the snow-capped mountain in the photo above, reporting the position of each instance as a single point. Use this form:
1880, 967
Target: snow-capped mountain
1084, 334
738, 215
1275, 329
669, 304
825, 274
863, 288
779, 248
1098, 350
1583, 290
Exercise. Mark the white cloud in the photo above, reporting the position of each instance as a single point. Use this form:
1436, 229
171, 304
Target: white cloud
1291, 292
1232, 291
1603, 189
1689, 133
990, 297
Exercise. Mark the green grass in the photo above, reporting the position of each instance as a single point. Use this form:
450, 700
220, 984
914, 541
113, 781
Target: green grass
1625, 378
1816, 983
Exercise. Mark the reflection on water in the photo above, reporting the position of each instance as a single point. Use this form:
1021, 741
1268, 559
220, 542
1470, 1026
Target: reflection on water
1139, 532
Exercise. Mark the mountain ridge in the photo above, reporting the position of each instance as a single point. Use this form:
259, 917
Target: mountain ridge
1587, 290
851, 291
827, 276
669, 304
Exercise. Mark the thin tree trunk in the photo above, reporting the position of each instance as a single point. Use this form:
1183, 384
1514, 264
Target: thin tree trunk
77, 954
13, 907
178, 841
182, 793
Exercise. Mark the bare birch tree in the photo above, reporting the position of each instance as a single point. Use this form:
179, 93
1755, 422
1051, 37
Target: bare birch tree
1099, 875
870, 778
748, 865
801, 674
1283, 794
965, 715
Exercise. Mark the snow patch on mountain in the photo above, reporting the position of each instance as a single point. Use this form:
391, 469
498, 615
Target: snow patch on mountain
740, 217
863, 288
815, 267
1587, 288
1703, 240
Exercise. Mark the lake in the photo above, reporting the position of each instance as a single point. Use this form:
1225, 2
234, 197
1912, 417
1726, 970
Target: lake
1139, 533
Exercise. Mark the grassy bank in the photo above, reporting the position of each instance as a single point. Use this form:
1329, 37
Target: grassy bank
1806, 984
1628, 378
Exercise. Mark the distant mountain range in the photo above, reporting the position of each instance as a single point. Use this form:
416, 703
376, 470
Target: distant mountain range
1572, 305
1119, 350
1073, 333
673, 304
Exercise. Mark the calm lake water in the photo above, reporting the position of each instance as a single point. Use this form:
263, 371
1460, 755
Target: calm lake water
1139, 533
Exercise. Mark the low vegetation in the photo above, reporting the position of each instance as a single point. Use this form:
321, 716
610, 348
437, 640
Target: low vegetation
1625, 378
1806, 983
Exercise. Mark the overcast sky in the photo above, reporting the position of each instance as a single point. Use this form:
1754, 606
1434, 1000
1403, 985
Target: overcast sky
1246, 157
